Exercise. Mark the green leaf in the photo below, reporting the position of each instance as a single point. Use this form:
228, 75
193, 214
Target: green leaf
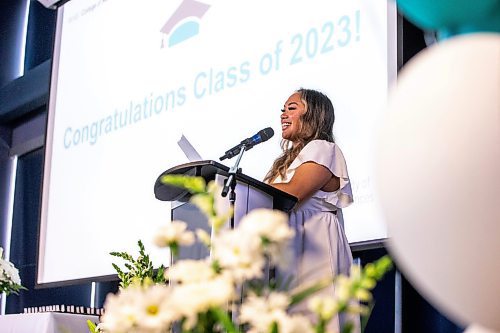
174, 249
140, 269
160, 275
92, 327
348, 327
303, 294
117, 269
223, 318
205, 202
320, 327
382, 266
190, 183
365, 318
274, 328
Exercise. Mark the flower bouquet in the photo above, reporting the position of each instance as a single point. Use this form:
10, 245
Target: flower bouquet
10, 282
230, 291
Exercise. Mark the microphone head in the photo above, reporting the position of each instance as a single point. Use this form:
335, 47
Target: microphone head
266, 133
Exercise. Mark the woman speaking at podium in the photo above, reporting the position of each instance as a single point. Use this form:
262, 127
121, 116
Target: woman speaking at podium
312, 168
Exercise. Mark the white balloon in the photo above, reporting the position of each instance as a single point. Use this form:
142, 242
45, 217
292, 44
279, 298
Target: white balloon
438, 176
478, 329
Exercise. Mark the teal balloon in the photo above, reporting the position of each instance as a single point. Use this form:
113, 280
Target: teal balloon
453, 17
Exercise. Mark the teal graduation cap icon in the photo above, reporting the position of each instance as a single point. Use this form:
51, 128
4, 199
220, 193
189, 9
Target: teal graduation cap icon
184, 22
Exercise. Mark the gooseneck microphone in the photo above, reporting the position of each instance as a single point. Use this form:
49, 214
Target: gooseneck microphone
261, 136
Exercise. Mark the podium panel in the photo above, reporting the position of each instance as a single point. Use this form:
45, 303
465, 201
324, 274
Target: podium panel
250, 194
195, 219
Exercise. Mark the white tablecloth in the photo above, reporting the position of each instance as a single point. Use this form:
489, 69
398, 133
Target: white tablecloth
48, 322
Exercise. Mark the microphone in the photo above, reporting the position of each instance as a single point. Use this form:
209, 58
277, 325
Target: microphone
261, 136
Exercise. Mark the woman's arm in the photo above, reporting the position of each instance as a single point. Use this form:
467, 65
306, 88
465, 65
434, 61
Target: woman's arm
308, 178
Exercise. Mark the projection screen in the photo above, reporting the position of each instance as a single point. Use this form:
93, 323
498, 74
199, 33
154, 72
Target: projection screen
131, 78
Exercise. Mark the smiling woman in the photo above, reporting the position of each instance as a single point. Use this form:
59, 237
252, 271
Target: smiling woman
312, 168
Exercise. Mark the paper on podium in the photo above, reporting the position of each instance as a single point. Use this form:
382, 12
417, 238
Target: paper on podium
188, 149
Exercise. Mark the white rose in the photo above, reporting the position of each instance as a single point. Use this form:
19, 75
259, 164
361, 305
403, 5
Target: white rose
9, 273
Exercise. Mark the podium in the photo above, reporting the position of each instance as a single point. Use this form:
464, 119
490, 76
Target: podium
250, 194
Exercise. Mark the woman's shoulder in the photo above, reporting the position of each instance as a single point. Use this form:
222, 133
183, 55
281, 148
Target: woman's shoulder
319, 145
321, 152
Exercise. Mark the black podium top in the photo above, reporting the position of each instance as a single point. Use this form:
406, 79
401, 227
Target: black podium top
208, 169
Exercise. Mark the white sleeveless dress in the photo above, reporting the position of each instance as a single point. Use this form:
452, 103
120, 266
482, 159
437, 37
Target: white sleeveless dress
320, 247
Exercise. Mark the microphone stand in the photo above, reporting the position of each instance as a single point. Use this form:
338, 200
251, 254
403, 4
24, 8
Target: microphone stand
230, 183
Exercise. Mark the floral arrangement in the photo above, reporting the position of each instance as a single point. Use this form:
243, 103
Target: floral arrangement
10, 282
229, 292
139, 269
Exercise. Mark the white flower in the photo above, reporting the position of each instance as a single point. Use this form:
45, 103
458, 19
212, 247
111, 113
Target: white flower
262, 311
324, 307
190, 271
120, 311
272, 225
8, 272
155, 311
343, 288
139, 309
238, 253
3, 276
294, 324
203, 237
193, 298
12, 273
174, 233
204, 202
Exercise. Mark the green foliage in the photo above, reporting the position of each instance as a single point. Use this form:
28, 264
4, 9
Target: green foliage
348, 327
305, 293
138, 270
377, 269
194, 185
223, 318
10, 288
92, 327
203, 196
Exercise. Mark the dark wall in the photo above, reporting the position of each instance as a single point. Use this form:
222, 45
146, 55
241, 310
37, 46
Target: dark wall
413, 40
11, 28
419, 316
21, 96
5, 174
40, 35
383, 316
24, 242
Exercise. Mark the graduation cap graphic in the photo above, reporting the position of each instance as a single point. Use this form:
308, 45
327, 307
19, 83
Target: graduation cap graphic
189, 13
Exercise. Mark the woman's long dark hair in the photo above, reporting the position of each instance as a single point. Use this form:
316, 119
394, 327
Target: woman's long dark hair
316, 124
